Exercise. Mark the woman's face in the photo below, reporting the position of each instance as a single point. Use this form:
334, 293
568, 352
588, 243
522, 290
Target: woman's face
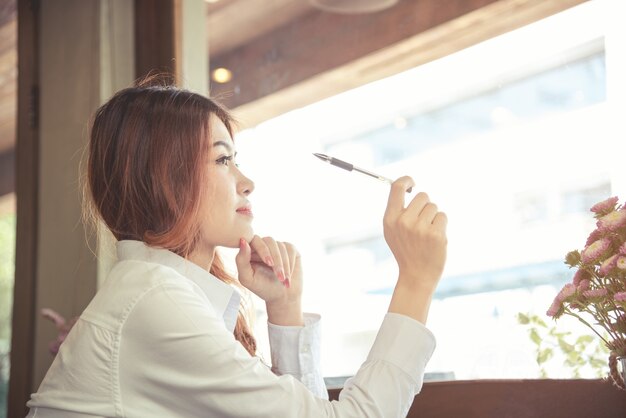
227, 214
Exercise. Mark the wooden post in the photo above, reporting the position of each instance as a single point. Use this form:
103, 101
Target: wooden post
66, 69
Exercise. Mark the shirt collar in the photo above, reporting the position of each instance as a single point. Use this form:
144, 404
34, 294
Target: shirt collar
224, 299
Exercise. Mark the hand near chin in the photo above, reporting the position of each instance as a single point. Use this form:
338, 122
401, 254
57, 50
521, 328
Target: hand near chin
272, 270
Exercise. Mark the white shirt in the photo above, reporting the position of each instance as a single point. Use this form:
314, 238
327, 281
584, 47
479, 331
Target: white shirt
156, 341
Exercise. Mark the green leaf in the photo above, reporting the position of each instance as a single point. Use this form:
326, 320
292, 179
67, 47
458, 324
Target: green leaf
544, 355
597, 363
565, 346
523, 319
534, 336
584, 339
574, 357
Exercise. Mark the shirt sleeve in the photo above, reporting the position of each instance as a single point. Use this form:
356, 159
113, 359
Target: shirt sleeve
295, 350
177, 359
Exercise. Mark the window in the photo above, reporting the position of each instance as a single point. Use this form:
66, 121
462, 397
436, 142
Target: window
509, 137
580, 200
7, 270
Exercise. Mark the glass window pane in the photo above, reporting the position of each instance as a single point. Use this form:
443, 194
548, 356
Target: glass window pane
508, 137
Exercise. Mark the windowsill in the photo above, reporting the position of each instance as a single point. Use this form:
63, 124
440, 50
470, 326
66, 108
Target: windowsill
572, 398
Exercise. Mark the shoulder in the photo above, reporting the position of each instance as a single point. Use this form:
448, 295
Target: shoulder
134, 282
136, 277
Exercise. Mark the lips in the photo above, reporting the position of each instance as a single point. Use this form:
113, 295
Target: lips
246, 210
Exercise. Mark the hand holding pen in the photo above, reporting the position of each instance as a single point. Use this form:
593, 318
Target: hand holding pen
350, 167
416, 235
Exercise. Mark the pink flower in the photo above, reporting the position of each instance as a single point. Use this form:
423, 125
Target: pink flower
554, 309
621, 262
578, 305
598, 283
584, 285
613, 221
605, 206
595, 235
607, 265
567, 291
572, 258
595, 293
596, 251
580, 276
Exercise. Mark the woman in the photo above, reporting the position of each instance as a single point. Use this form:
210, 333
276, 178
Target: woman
165, 335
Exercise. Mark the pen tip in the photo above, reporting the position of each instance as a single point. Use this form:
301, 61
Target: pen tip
322, 157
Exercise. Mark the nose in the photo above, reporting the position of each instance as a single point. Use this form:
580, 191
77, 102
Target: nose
245, 186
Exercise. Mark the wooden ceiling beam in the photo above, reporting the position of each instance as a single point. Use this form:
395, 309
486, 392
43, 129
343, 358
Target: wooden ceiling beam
321, 54
320, 41
233, 23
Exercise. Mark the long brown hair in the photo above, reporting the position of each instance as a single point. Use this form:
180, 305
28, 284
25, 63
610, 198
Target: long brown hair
146, 171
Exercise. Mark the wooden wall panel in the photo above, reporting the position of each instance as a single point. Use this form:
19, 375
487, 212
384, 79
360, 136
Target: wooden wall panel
7, 172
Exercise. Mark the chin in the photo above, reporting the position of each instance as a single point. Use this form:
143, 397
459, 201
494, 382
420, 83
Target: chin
247, 235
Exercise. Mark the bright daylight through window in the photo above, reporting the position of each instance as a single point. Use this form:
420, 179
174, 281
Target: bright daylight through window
514, 138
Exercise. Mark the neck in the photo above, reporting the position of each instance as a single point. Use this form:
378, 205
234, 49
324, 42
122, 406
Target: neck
203, 257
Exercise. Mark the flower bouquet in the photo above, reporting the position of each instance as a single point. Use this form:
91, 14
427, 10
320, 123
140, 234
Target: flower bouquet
597, 294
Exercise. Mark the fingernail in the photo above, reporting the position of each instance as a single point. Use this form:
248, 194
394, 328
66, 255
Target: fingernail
242, 243
286, 283
281, 274
269, 261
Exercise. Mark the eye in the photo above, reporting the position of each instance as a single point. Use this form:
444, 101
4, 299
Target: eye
226, 159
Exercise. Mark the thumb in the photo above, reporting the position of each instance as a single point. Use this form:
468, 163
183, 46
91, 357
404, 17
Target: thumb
242, 260
395, 204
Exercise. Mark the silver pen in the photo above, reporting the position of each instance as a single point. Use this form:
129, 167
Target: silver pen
350, 167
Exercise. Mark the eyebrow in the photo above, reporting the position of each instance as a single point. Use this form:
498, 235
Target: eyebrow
224, 144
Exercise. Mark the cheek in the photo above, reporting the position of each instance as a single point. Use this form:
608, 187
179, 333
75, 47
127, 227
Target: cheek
215, 189
220, 201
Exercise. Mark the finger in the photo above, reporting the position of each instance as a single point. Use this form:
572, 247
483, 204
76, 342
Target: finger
293, 256
55, 317
428, 214
261, 252
272, 245
296, 266
395, 203
440, 220
242, 260
416, 205
286, 262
